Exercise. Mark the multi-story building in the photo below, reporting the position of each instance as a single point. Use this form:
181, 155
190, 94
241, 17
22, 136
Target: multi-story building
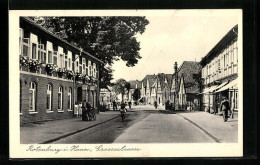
54, 75
220, 73
185, 86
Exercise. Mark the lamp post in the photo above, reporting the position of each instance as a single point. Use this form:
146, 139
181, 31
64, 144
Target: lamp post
74, 80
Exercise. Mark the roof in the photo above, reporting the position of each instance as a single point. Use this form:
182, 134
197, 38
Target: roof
150, 79
187, 71
229, 37
133, 84
57, 37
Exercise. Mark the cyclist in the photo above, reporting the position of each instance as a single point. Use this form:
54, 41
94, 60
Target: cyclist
123, 111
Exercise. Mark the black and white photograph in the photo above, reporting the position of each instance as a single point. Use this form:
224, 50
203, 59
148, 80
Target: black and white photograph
126, 83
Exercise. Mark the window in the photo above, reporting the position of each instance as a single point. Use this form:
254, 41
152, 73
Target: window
55, 57
80, 68
236, 100
34, 52
49, 57
84, 65
26, 46
89, 68
70, 99
32, 96
66, 61
61, 61
69, 64
49, 97
60, 93
42, 53
20, 41
94, 70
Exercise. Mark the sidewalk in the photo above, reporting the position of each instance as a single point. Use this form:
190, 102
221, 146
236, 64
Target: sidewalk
41, 132
213, 125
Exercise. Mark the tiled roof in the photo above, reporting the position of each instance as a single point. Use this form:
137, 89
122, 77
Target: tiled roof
149, 77
162, 77
133, 84
187, 70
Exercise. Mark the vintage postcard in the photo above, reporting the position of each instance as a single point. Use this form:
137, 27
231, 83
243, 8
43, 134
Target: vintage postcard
125, 83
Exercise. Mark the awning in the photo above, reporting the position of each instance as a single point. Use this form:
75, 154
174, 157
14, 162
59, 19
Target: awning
232, 84
214, 88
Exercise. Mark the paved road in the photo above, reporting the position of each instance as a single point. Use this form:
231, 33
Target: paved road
141, 126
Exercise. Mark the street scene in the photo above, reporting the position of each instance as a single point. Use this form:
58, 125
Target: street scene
129, 79
143, 124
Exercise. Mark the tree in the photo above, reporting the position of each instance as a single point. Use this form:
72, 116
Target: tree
137, 94
107, 38
120, 87
128, 86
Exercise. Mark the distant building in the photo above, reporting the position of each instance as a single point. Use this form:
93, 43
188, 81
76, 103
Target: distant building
220, 73
134, 84
107, 96
147, 83
161, 88
185, 86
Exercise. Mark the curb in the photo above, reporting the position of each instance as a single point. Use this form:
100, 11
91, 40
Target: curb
206, 132
72, 133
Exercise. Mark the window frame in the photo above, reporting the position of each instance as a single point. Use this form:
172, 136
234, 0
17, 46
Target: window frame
70, 99
33, 88
55, 55
49, 91
60, 91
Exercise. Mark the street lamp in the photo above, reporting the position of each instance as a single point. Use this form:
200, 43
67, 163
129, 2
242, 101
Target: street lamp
74, 80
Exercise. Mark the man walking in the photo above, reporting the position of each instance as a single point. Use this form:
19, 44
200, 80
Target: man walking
225, 107
114, 105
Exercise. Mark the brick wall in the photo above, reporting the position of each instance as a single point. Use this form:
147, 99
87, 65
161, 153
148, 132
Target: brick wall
41, 94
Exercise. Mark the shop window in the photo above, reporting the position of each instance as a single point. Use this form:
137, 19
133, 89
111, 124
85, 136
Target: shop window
49, 97
236, 100
32, 96
60, 101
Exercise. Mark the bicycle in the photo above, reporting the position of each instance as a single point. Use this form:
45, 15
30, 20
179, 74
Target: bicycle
92, 115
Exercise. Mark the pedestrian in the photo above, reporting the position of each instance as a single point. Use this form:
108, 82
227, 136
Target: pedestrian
155, 104
129, 104
88, 109
84, 110
225, 107
114, 106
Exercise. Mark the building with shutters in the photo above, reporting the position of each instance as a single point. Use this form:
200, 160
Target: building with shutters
220, 73
54, 75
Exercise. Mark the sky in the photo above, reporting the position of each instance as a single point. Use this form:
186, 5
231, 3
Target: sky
177, 37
